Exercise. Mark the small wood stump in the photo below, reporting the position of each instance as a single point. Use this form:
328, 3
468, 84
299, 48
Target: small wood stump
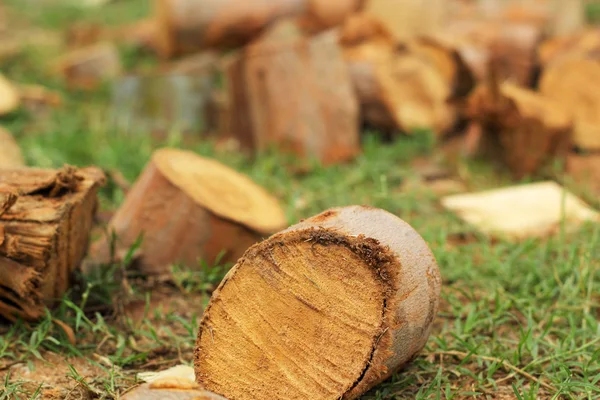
187, 208
45, 220
295, 93
325, 309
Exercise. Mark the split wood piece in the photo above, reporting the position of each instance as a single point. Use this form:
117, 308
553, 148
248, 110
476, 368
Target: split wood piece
523, 211
325, 309
188, 208
512, 44
87, 67
295, 93
10, 152
398, 89
9, 96
519, 127
186, 26
44, 231
574, 84
448, 62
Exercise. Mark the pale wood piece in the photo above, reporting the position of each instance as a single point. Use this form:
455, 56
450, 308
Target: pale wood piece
520, 212
295, 93
10, 152
187, 209
9, 96
44, 230
325, 309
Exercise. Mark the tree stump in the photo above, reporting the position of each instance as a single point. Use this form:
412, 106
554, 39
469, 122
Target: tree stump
188, 208
295, 93
45, 220
87, 67
325, 309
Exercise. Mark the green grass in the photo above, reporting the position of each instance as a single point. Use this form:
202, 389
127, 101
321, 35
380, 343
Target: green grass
516, 320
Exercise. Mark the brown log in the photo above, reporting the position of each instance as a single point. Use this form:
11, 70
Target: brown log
398, 89
10, 152
325, 309
45, 220
512, 44
519, 127
574, 84
187, 209
87, 67
9, 96
186, 26
295, 93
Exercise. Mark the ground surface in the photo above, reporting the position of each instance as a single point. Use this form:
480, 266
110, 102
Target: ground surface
516, 320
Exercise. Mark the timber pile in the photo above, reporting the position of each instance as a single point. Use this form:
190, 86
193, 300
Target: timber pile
267, 331
305, 76
45, 220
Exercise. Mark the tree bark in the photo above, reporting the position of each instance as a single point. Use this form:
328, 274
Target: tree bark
186, 209
45, 220
325, 309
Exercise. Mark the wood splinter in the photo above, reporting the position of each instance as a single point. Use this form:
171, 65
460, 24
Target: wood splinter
325, 309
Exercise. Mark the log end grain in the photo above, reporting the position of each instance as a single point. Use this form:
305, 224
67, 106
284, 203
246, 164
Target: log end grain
325, 309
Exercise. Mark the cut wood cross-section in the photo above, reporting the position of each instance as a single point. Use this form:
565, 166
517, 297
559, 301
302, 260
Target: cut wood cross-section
186, 209
325, 309
45, 220
294, 93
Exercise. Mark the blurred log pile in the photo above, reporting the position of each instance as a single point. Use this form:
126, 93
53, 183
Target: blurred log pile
514, 80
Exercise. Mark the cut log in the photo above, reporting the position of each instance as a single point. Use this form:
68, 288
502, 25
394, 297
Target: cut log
186, 26
295, 93
398, 89
10, 152
519, 127
325, 309
512, 44
45, 222
574, 84
187, 209
87, 67
9, 96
